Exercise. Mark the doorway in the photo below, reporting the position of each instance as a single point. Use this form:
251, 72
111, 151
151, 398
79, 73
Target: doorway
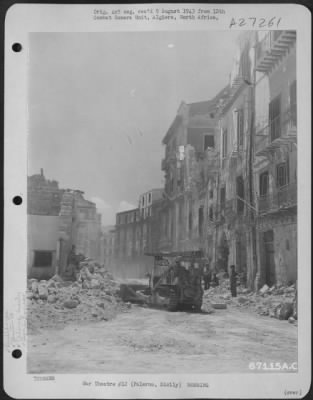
269, 259
223, 253
240, 188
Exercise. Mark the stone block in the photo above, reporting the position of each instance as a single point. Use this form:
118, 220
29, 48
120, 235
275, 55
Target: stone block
43, 291
207, 308
70, 304
219, 306
285, 311
51, 298
264, 289
34, 286
242, 300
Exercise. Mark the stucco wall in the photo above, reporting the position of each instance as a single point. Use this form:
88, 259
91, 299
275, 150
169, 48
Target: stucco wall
285, 249
285, 243
42, 235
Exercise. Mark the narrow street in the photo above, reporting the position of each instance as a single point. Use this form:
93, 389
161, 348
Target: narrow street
147, 340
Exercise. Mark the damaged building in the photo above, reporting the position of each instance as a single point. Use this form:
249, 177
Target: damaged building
190, 145
43, 209
275, 161
230, 170
135, 235
57, 220
234, 217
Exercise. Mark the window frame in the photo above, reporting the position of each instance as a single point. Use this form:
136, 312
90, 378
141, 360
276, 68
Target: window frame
42, 265
293, 104
262, 175
224, 144
211, 213
282, 165
240, 126
240, 189
223, 190
276, 132
201, 225
211, 136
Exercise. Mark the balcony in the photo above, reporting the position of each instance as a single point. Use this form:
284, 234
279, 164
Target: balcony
163, 164
279, 200
272, 48
280, 131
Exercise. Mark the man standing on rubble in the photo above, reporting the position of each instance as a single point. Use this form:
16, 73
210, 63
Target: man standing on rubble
207, 277
233, 281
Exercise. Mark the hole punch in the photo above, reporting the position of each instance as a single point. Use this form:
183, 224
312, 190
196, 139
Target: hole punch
16, 47
17, 353
17, 200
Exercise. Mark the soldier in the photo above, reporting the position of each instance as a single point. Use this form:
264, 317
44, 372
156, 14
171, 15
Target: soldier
207, 277
215, 281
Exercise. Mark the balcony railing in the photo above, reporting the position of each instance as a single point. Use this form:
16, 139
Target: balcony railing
284, 125
281, 198
272, 47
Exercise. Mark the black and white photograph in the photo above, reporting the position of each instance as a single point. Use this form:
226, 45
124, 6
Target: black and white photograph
162, 200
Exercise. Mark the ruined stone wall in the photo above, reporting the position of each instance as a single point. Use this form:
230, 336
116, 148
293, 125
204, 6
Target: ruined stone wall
132, 238
284, 245
110, 251
68, 227
43, 196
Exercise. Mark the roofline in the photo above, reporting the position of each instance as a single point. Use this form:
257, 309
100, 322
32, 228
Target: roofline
151, 190
168, 134
127, 211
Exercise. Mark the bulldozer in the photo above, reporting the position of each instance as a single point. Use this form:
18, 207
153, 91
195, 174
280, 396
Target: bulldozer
174, 282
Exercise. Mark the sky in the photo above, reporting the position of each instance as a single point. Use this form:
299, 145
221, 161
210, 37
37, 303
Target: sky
101, 103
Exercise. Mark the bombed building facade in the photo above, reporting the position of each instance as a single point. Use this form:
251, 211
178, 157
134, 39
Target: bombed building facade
190, 152
230, 169
234, 234
57, 220
275, 157
135, 236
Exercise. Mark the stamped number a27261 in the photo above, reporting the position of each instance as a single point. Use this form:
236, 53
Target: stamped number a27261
253, 22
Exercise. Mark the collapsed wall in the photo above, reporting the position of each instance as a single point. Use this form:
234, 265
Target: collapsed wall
93, 296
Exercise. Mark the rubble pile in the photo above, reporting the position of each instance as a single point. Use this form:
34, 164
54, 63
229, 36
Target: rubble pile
93, 296
277, 301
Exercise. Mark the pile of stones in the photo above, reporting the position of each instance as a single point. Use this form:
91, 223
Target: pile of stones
277, 301
92, 296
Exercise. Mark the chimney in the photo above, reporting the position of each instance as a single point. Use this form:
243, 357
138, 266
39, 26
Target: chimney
41, 171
